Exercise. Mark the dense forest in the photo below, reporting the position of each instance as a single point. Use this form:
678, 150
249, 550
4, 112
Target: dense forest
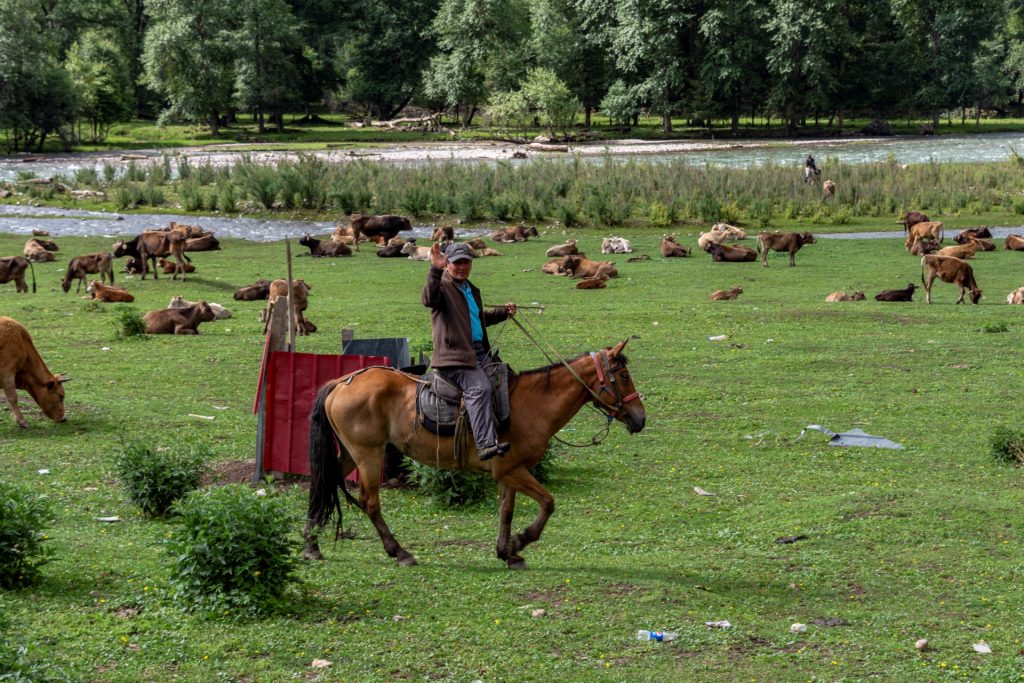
71, 68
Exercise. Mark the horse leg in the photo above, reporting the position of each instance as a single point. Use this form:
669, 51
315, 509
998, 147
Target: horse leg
369, 501
520, 480
506, 508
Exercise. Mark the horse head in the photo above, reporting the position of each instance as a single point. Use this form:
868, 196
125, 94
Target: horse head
617, 397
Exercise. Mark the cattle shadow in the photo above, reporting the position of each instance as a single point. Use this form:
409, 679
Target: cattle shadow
212, 284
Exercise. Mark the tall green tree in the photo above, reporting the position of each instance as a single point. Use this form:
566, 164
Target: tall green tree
189, 58
101, 79
265, 74
735, 44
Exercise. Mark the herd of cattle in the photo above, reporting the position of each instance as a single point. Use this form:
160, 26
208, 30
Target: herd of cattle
21, 366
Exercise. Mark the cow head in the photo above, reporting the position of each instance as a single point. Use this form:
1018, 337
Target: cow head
857, 296
120, 249
531, 232
406, 224
50, 397
206, 313
807, 238
975, 295
569, 264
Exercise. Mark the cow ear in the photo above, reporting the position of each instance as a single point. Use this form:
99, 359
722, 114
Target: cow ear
61, 378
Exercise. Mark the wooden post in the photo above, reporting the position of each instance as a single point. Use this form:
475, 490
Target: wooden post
275, 342
291, 298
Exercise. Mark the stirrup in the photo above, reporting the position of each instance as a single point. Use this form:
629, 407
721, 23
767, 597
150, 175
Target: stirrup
491, 451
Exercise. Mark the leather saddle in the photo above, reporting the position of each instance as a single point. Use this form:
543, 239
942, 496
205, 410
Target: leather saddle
439, 403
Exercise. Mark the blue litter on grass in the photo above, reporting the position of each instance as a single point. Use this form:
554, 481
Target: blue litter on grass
854, 437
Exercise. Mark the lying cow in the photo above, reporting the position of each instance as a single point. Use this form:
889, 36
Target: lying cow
782, 241
486, 251
178, 320
101, 292
596, 282
952, 270
12, 269
205, 242
924, 245
726, 294
553, 267
443, 233
579, 267
189, 231
385, 227
930, 228
219, 312
167, 267
1016, 296
1014, 243
517, 233
324, 247
732, 232
254, 292
912, 218
567, 249
724, 253
836, 297
828, 189
672, 249
616, 245
476, 244
712, 237
39, 251
898, 294
279, 289
21, 367
88, 264
393, 250
416, 253
960, 251
965, 236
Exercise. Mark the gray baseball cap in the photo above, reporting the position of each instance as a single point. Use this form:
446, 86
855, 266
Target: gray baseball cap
459, 251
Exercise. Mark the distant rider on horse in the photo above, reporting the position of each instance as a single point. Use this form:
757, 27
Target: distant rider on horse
810, 169
459, 325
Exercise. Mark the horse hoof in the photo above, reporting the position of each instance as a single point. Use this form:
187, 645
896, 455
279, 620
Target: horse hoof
407, 561
518, 563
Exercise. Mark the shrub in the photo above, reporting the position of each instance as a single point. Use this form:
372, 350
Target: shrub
450, 488
543, 469
23, 515
155, 478
730, 213
86, 176
109, 172
191, 197
231, 550
708, 208
415, 200
128, 322
996, 327
260, 183
658, 216
1008, 445
226, 196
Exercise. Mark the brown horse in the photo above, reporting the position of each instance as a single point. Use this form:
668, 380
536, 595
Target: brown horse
371, 409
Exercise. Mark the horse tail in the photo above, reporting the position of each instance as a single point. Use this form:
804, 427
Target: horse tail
324, 464
33, 269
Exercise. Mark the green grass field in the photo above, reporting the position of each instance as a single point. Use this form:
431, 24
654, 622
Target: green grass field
922, 542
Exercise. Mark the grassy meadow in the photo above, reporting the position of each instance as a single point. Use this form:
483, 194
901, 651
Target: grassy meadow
922, 542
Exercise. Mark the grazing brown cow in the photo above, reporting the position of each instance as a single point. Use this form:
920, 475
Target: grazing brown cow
828, 189
836, 297
206, 242
567, 249
517, 233
1014, 243
178, 320
725, 253
100, 292
965, 236
960, 251
1016, 296
324, 247
377, 226
443, 233
596, 282
21, 367
932, 228
782, 241
912, 218
12, 269
36, 250
898, 294
924, 245
671, 249
254, 292
88, 264
579, 267
167, 267
151, 245
952, 270
726, 294
278, 289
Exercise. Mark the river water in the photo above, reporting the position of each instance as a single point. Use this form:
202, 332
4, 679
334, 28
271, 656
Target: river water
904, 149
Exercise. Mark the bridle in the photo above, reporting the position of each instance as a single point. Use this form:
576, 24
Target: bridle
606, 379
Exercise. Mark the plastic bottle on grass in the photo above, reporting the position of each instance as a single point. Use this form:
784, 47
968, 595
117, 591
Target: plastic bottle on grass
655, 635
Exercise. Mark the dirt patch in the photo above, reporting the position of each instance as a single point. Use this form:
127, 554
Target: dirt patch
621, 589
554, 597
244, 472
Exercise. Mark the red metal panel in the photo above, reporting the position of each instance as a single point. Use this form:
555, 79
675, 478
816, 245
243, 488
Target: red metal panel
292, 382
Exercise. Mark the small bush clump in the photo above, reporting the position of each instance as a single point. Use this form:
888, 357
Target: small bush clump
23, 515
1008, 445
128, 322
231, 550
155, 478
996, 327
450, 488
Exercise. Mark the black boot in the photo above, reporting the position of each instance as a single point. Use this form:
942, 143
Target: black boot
496, 449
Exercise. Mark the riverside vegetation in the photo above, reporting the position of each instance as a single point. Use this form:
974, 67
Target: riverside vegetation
900, 544
571, 192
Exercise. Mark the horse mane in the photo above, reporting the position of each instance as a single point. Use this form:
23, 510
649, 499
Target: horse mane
548, 368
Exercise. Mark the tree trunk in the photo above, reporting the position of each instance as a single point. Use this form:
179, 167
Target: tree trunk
586, 117
977, 116
666, 121
214, 124
261, 127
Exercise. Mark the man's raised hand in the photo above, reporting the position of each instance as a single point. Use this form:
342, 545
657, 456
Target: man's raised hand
437, 257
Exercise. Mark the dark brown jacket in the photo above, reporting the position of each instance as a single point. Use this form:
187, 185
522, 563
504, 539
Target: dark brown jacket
449, 318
